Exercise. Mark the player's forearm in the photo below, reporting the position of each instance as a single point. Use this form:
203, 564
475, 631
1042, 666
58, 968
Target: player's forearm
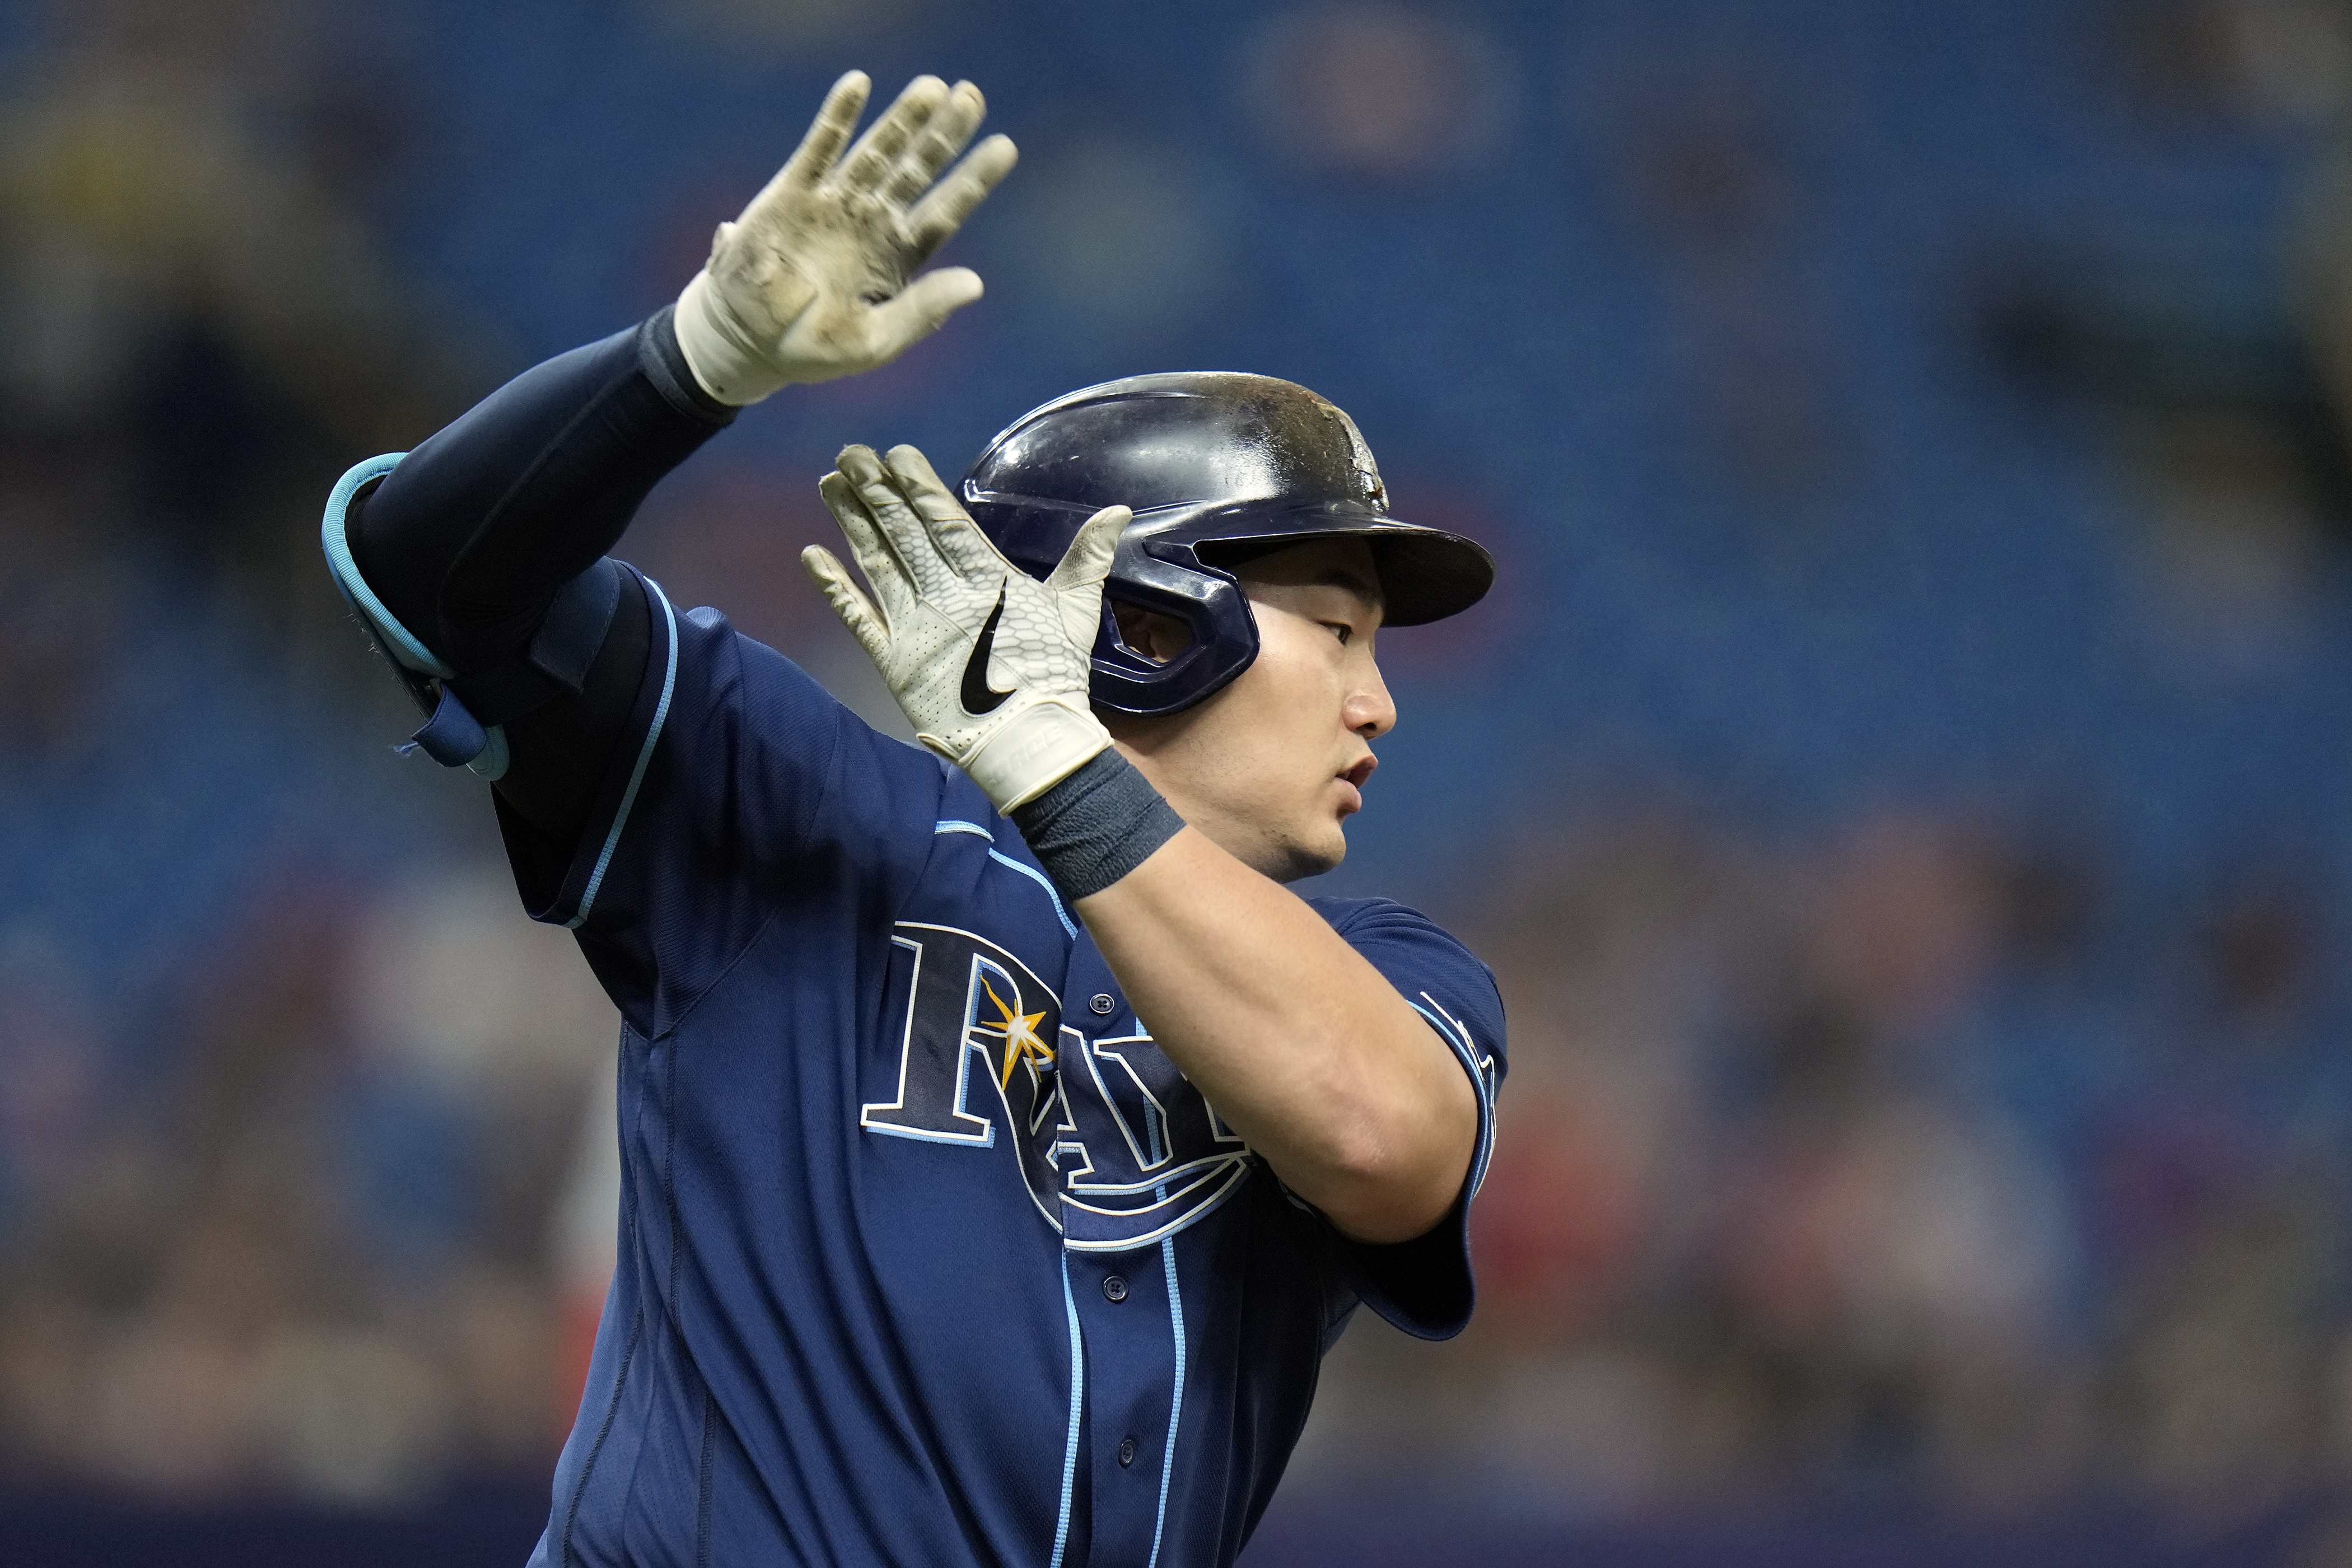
1303, 1046
471, 537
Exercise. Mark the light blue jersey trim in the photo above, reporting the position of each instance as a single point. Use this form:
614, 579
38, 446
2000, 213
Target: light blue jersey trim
1176, 1406
1077, 1409
337, 544
1038, 877
1239, 1169
955, 825
1482, 1079
645, 758
987, 1140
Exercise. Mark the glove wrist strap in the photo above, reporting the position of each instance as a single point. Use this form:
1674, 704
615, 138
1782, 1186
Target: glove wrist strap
1029, 752
726, 363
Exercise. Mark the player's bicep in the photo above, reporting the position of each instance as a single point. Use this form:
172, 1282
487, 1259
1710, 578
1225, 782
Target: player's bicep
1424, 1286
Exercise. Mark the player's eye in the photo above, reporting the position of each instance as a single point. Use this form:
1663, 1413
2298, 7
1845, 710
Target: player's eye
1341, 630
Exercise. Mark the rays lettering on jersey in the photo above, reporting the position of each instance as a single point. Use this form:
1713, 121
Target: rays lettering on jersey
1117, 1147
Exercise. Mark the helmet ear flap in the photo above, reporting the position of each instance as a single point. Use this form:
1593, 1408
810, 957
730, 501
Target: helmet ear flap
1110, 643
1221, 641
1117, 641
1155, 637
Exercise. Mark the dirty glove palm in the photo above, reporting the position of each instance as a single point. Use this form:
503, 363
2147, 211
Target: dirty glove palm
989, 664
816, 278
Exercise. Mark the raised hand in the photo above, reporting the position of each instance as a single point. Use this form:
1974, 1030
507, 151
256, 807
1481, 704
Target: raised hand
816, 278
989, 664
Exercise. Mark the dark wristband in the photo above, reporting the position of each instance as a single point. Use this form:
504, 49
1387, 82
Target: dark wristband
1095, 825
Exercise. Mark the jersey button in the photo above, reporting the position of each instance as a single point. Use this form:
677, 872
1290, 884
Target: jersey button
1114, 1288
1102, 1003
1126, 1452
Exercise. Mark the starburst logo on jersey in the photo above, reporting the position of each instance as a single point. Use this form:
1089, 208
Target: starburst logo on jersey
1019, 1031
1117, 1149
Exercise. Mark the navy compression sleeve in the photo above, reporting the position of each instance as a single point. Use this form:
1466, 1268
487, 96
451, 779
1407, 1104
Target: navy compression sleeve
470, 539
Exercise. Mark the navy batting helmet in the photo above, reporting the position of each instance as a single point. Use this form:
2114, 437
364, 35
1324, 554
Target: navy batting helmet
1218, 465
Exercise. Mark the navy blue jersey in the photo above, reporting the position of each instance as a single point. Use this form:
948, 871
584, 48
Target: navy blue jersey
927, 1256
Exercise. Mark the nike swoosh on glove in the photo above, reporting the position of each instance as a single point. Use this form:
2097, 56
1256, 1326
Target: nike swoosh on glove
989, 664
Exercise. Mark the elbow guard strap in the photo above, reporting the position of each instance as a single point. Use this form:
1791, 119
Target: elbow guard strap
465, 714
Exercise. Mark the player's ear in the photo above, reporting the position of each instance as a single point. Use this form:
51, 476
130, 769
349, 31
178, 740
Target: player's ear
1149, 634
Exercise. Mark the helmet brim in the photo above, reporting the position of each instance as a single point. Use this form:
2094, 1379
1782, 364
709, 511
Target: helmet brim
1426, 573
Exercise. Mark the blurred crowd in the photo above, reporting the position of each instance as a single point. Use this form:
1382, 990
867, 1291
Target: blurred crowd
1902, 1164
285, 1089
1901, 783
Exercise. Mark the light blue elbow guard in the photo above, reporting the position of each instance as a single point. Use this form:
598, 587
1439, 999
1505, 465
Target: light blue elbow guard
465, 715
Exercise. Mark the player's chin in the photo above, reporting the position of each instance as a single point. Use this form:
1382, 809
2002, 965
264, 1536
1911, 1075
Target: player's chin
1311, 855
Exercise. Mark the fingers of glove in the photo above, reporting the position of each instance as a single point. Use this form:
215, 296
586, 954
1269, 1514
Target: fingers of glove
894, 587
942, 212
862, 468
1087, 560
942, 137
878, 149
856, 613
900, 530
921, 485
919, 309
954, 533
828, 133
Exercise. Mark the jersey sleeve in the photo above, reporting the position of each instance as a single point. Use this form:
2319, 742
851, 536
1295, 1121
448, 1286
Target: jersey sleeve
1425, 1285
740, 784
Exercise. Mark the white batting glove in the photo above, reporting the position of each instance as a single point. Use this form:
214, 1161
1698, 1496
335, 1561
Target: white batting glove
989, 664
812, 281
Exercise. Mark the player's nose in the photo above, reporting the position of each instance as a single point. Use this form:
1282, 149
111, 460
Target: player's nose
1370, 711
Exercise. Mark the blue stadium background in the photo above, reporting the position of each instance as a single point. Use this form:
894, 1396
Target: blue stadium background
1902, 780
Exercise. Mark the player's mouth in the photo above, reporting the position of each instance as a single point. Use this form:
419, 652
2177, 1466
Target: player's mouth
1353, 781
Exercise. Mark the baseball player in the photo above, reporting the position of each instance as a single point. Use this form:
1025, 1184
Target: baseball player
1002, 1142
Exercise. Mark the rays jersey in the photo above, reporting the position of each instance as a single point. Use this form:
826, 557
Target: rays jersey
927, 1256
